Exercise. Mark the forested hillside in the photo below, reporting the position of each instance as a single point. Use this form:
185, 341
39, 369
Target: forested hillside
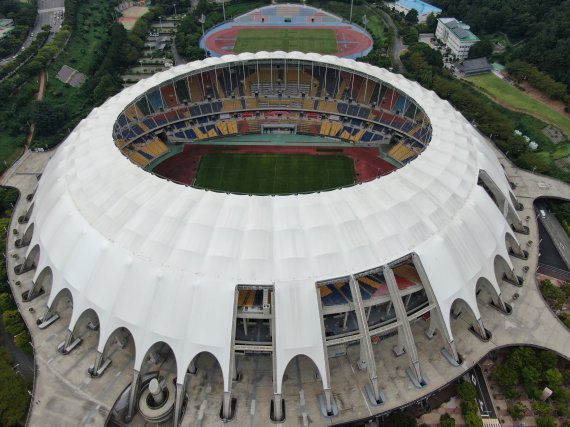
541, 26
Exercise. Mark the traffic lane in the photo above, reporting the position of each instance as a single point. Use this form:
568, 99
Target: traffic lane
483, 396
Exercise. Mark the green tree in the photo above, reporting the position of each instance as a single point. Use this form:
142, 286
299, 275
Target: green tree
542, 409
517, 411
13, 322
546, 422
467, 391
483, 48
14, 398
6, 303
431, 23
553, 378
472, 419
446, 420
412, 17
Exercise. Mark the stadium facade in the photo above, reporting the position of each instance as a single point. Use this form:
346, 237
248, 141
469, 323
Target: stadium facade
159, 262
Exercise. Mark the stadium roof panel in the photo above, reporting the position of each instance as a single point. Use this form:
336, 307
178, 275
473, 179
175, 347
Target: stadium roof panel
112, 233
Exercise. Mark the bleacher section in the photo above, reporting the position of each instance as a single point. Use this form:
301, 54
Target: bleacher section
286, 13
224, 101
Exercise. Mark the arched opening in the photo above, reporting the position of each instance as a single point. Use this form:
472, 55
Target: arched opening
119, 346
22, 219
42, 285
204, 379
514, 248
86, 329
61, 307
26, 238
461, 316
488, 295
302, 373
504, 273
30, 262
155, 393
501, 200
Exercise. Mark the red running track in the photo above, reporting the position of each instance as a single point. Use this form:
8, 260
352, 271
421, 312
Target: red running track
183, 166
349, 41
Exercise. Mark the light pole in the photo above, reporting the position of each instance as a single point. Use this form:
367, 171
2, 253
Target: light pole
350, 18
160, 19
224, 9
174, 4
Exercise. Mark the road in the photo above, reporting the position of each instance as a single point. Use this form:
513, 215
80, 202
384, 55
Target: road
556, 232
397, 45
486, 407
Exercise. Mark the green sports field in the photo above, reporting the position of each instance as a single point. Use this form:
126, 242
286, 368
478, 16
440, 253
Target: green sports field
273, 173
288, 40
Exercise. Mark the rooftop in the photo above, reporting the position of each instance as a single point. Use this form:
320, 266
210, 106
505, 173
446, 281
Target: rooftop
422, 7
461, 30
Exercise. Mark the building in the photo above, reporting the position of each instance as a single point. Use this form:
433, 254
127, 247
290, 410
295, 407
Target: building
472, 67
157, 276
424, 9
456, 36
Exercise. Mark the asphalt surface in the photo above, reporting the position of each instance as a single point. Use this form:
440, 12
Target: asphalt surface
483, 396
22, 362
397, 45
555, 243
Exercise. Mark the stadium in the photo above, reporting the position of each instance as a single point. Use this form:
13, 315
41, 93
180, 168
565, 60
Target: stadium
154, 255
287, 27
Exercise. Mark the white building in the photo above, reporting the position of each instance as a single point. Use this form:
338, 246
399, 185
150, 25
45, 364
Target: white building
167, 263
424, 9
456, 36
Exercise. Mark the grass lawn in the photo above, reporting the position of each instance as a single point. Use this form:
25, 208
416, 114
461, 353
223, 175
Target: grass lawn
270, 39
514, 98
273, 173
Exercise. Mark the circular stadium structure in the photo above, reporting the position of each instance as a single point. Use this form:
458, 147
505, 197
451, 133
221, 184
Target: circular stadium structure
178, 270
288, 27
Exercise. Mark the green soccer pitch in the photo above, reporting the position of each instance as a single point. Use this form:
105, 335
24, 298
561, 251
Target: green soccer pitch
273, 173
271, 39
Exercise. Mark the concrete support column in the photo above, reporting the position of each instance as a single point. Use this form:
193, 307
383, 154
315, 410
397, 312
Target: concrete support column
277, 407
402, 317
156, 391
328, 400
345, 322
98, 362
367, 360
432, 324
68, 339
244, 320
227, 405
480, 329
133, 394
178, 405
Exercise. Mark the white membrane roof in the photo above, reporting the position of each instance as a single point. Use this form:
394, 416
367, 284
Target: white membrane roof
163, 259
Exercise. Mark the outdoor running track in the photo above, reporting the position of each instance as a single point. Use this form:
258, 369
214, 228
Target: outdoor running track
349, 41
183, 166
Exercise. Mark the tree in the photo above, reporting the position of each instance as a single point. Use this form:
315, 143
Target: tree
542, 409
412, 17
517, 411
431, 23
483, 48
49, 117
446, 420
553, 378
13, 322
467, 391
472, 419
14, 398
546, 422
6, 303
